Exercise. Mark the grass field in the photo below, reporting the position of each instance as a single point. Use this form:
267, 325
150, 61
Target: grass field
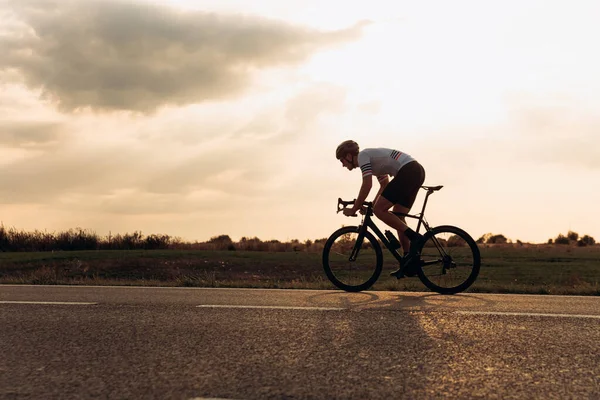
541, 269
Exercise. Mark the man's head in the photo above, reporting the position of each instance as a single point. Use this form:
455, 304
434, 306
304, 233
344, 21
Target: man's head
347, 152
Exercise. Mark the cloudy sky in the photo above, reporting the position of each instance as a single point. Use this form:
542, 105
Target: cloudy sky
201, 118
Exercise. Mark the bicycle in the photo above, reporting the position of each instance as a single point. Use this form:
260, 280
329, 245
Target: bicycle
449, 259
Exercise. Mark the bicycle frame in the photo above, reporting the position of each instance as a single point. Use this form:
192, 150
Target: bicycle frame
367, 222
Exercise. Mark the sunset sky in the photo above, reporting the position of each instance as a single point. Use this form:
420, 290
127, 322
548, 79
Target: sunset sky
202, 118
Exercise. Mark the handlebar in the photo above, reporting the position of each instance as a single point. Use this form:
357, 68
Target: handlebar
343, 204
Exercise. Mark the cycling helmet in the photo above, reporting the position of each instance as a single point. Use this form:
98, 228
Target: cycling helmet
347, 146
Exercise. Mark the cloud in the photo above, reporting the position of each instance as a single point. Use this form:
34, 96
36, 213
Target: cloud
563, 135
48, 175
29, 134
120, 55
88, 158
309, 105
296, 117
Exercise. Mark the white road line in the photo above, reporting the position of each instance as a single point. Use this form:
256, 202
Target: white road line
518, 314
321, 291
68, 303
272, 307
181, 288
209, 398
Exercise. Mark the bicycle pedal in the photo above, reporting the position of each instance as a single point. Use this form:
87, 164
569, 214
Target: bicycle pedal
398, 274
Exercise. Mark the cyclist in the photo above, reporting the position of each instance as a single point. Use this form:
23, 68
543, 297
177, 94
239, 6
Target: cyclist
400, 193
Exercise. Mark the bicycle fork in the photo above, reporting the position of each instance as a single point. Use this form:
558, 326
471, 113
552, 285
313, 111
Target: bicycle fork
362, 229
446, 259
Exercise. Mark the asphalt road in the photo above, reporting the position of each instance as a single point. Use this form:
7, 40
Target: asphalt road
79, 342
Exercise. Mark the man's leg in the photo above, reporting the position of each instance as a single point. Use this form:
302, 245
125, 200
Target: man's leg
401, 236
381, 210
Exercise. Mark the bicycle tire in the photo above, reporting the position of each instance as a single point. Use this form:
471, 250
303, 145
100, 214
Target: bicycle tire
375, 255
467, 254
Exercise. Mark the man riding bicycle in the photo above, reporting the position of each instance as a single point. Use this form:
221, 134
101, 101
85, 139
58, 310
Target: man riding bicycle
400, 193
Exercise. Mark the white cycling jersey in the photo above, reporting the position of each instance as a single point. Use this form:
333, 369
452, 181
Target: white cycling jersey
382, 162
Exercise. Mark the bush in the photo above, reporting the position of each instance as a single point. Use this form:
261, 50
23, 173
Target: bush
155, 242
484, 238
81, 239
221, 242
456, 241
560, 239
490, 238
573, 236
497, 239
586, 241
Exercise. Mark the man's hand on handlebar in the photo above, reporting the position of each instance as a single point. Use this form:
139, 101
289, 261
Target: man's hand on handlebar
348, 211
344, 207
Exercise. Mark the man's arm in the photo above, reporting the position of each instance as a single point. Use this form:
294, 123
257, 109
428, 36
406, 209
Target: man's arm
365, 188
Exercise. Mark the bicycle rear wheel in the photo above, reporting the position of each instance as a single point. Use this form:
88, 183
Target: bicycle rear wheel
357, 275
450, 260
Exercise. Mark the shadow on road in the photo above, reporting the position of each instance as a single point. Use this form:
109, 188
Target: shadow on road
398, 301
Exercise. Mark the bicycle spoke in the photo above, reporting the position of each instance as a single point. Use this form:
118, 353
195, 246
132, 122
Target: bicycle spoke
352, 275
450, 260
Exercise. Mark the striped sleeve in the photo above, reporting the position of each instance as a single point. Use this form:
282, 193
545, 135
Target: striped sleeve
364, 162
395, 154
366, 169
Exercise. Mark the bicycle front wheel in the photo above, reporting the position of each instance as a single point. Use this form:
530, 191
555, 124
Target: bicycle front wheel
450, 260
351, 267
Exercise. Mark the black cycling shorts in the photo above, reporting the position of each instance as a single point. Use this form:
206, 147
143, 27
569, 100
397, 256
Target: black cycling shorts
404, 187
